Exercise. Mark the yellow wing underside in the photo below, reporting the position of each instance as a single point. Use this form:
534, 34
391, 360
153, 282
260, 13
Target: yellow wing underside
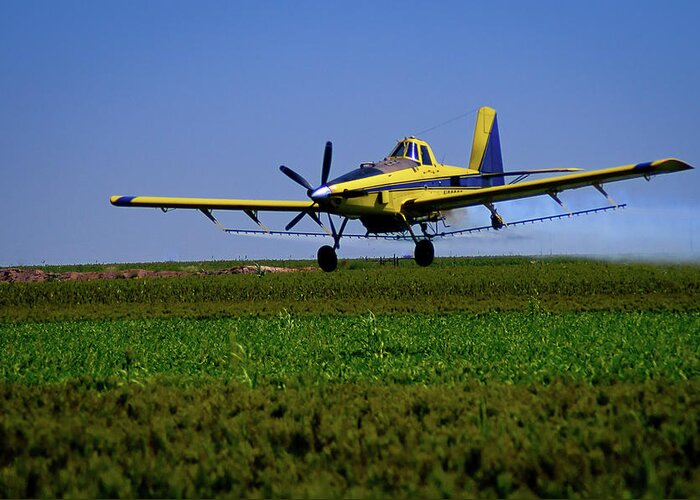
441, 200
213, 203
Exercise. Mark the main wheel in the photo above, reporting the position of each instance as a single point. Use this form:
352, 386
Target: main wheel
425, 253
327, 259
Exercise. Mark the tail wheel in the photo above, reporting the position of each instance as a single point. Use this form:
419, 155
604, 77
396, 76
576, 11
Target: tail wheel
425, 253
327, 258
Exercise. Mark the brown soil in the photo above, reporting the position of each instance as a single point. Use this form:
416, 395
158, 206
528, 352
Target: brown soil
13, 275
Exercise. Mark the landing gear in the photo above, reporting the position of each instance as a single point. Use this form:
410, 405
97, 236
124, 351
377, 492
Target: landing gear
327, 258
424, 253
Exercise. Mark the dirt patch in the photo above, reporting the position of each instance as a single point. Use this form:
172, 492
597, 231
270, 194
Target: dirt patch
13, 275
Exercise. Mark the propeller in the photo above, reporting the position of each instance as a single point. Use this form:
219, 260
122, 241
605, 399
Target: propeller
295, 221
299, 179
327, 157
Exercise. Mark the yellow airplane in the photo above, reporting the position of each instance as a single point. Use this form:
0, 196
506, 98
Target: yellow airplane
410, 188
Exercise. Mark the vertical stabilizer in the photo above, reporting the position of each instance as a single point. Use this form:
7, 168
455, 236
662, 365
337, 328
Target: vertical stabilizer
486, 147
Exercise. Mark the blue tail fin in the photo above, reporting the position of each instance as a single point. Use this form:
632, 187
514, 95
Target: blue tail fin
486, 147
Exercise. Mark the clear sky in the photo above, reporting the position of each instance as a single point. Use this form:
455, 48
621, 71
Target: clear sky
208, 99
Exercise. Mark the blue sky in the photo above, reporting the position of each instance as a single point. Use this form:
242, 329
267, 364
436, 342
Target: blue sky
209, 98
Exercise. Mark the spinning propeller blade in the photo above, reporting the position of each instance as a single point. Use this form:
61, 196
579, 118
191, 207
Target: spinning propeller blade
296, 178
327, 157
295, 221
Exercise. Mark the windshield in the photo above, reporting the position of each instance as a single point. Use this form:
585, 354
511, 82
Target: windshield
399, 150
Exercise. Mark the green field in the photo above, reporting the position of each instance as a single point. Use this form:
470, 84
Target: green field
474, 285
510, 348
489, 377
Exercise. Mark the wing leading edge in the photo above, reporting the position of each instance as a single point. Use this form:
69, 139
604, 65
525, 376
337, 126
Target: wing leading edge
213, 203
551, 185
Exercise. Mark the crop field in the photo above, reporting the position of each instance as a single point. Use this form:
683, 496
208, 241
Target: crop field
474, 285
475, 377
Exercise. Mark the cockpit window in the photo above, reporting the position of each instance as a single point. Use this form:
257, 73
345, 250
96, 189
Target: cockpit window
412, 151
425, 155
409, 149
399, 150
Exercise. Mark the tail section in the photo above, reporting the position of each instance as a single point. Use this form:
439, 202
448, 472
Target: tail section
486, 147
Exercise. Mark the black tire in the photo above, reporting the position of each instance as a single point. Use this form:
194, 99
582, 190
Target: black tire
425, 253
327, 258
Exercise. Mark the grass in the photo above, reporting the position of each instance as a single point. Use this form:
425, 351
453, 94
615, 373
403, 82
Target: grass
478, 286
358, 440
476, 377
354, 264
406, 348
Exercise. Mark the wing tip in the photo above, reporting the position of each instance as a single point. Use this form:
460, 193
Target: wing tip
121, 201
669, 164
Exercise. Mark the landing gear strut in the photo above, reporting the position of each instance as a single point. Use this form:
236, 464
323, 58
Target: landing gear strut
327, 258
424, 253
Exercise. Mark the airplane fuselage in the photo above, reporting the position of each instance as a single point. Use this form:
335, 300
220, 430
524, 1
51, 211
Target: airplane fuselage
379, 200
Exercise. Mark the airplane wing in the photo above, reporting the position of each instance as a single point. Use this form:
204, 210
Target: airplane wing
549, 186
214, 204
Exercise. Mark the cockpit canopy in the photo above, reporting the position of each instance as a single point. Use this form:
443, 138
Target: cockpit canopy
413, 149
408, 153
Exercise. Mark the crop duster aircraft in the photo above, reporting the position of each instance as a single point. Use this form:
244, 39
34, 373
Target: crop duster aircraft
410, 188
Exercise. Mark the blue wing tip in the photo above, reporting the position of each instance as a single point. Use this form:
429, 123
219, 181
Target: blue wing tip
665, 165
121, 201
